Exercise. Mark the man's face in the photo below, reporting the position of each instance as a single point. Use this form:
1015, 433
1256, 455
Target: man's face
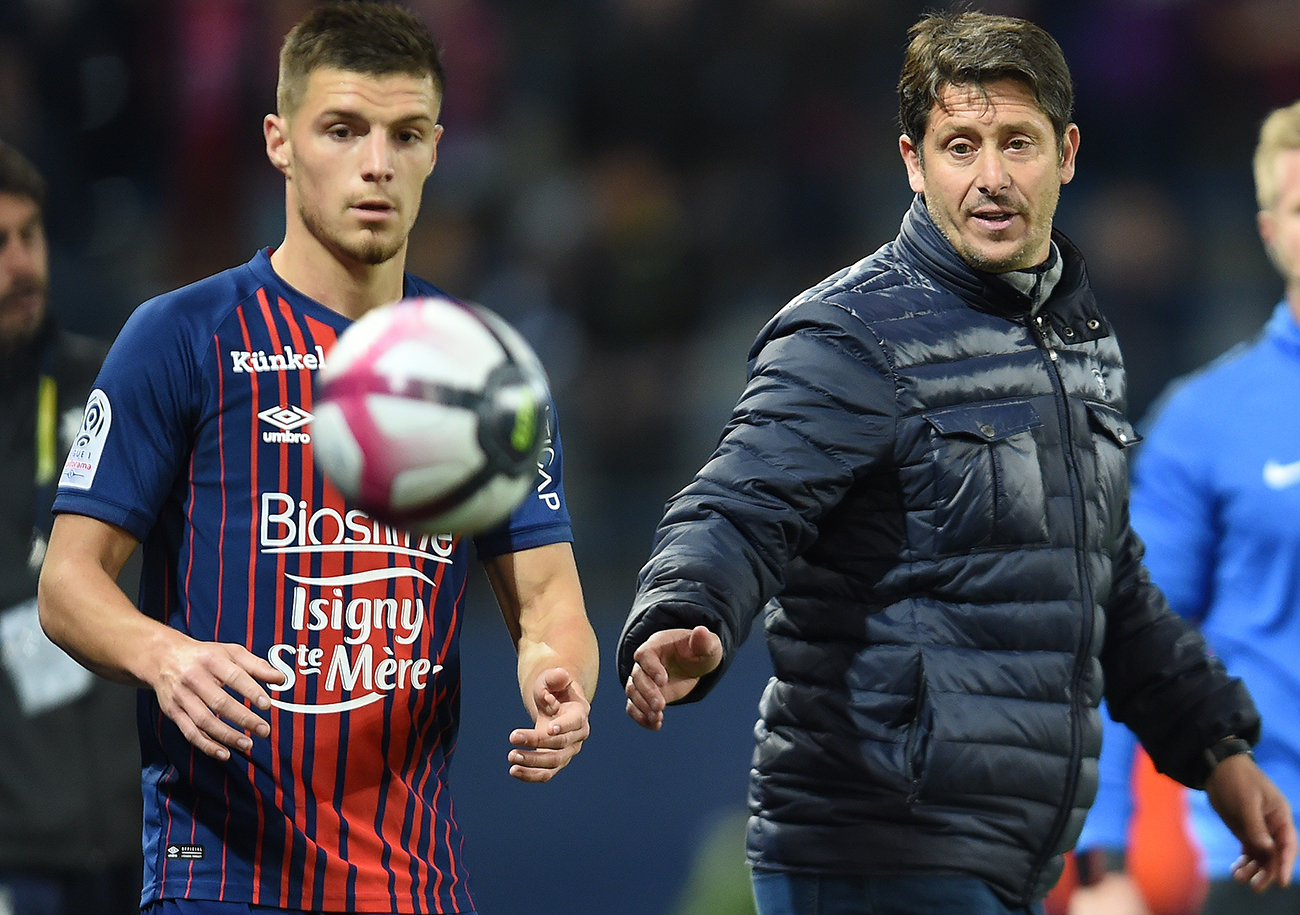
1279, 226
24, 270
356, 153
991, 173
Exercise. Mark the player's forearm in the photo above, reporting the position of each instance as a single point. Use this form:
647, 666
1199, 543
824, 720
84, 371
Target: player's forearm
85, 613
568, 643
540, 597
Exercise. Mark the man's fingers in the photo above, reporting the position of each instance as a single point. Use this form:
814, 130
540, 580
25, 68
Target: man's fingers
203, 728
537, 756
541, 764
537, 752
649, 690
203, 698
249, 675
559, 681
553, 735
229, 708
650, 720
647, 660
645, 710
195, 735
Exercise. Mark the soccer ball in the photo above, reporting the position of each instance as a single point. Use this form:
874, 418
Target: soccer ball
430, 414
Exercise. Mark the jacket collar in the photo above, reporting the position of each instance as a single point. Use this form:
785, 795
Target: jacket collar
1071, 305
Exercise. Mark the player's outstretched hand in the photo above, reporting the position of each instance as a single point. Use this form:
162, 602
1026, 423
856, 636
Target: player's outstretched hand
198, 685
667, 667
1258, 814
563, 724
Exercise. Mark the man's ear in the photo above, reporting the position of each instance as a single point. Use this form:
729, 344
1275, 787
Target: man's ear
437, 138
912, 160
1266, 220
1069, 149
276, 133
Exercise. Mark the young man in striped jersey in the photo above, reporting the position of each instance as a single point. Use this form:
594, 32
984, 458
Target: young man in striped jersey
299, 659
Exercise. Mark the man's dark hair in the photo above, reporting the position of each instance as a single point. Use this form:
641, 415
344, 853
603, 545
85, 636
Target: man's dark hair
371, 37
19, 177
973, 49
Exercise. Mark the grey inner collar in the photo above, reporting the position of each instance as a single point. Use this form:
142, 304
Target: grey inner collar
1039, 281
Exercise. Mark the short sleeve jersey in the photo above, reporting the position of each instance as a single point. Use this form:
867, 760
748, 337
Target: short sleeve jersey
197, 440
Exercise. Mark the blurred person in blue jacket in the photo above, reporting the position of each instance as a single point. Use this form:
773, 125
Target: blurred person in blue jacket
1216, 497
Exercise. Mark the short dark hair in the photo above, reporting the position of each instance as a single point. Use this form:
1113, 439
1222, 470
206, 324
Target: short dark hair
372, 37
966, 48
19, 177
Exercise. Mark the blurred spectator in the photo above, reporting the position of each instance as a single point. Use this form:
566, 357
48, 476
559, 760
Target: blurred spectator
69, 766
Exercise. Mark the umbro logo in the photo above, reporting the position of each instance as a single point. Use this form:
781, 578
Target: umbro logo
185, 852
286, 420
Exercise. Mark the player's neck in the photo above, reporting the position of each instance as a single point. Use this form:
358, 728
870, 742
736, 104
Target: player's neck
350, 288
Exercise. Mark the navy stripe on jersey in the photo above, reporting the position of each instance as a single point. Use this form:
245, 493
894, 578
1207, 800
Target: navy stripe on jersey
208, 461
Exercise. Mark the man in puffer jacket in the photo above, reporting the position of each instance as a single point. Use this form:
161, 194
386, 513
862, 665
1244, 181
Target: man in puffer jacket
925, 485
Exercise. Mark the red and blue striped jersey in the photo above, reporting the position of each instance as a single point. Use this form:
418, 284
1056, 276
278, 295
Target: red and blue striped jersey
197, 440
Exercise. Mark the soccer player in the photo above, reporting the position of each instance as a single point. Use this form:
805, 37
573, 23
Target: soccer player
300, 658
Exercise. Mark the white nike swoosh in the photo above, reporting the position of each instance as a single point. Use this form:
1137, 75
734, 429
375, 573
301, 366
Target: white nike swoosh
1281, 476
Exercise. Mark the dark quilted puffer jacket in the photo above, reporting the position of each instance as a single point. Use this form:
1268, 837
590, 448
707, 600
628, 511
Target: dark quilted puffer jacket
927, 488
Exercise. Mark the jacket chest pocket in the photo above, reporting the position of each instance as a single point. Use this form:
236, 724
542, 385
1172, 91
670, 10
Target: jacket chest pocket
1112, 437
988, 481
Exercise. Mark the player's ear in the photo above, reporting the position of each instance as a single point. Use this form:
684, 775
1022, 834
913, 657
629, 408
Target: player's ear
276, 133
437, 136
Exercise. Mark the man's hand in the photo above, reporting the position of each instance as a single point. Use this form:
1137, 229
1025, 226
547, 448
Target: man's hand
667, 667
563, 723
194, 685
1258, 814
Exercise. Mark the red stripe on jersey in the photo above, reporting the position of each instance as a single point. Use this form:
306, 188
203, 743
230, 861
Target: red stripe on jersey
330, 834
268, 319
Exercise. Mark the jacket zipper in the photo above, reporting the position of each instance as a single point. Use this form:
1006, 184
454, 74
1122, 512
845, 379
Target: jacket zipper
1076, 493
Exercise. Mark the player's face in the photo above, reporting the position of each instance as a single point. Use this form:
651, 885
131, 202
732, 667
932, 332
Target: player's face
991, 173
24, 269
357, 153
1279, 225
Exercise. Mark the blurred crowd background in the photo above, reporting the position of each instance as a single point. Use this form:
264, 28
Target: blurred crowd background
638, 185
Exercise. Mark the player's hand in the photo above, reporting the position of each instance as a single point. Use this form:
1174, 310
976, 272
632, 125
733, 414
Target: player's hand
198, 685
563, 724
1258, 814
667, 666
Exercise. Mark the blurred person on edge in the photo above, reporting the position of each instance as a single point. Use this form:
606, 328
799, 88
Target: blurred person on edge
925, 486
1218, 515
69, 760
319, 782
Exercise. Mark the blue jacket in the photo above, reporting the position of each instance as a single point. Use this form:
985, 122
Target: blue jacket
1216, 495
930, 485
